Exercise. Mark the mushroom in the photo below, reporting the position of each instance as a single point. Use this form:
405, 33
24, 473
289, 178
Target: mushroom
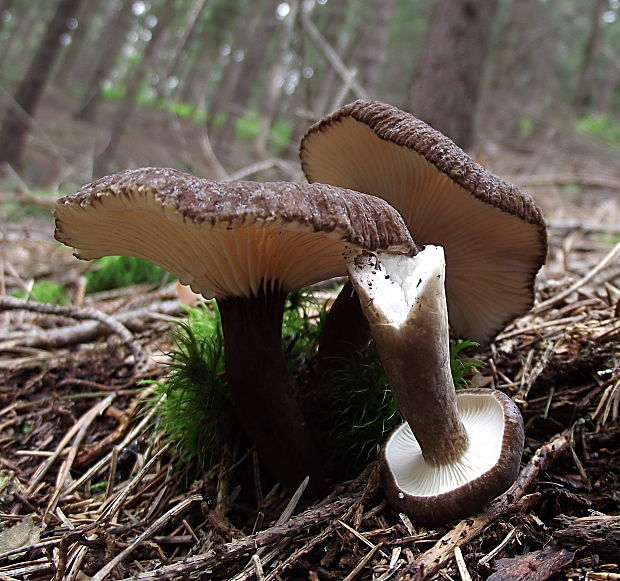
456, 451
493, 234
247, 244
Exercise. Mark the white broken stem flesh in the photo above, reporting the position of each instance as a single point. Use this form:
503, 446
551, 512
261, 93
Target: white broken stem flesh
405, 302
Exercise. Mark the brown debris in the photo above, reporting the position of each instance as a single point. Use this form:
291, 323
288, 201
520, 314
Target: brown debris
101, 488
535, 566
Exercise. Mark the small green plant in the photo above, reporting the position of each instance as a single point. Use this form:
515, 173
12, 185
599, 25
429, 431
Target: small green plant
46, 291
112, 272
463, 368
247, 127
193, 405
601, 127
609, 238
526, 127
281, 135
115, 93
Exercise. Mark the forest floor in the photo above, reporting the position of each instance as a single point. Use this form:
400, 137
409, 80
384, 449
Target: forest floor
88, 488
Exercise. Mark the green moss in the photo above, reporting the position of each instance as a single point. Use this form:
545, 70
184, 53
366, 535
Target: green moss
350, 415
46, 291
112, 272
193, 405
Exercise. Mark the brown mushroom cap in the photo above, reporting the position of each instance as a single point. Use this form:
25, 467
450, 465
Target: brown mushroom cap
435, 494
493, 234
227, 239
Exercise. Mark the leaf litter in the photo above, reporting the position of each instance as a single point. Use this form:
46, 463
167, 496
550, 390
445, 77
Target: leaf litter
88, 489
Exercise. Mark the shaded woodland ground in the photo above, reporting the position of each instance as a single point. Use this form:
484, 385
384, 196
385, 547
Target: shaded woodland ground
91, 490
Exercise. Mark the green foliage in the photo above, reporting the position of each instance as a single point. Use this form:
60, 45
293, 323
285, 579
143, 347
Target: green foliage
601, 127
115, 93
351, 413
194, 409
185, 111
112, 272
281, 135
526, 127
247, 127
609, 239
463, 368
46, 291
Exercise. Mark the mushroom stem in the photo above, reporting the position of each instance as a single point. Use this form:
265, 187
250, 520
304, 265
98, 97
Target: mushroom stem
262, 389
345, 332
405, 303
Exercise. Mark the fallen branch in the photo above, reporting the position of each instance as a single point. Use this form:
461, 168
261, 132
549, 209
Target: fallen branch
534, 566
610, 258
227, 552
586, 180
95, 324
512, 501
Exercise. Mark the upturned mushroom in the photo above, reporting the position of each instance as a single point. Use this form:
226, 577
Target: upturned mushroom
247, 244
456, 451
493, 234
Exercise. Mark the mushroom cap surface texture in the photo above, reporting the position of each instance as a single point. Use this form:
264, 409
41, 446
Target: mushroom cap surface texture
227, 239
433, 495
494, 235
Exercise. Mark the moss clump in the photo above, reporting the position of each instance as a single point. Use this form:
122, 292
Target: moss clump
350, 414
111, 272
194, 410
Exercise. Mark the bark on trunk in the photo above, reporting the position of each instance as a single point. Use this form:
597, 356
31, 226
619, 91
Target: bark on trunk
16, 122
447, 86
112, 43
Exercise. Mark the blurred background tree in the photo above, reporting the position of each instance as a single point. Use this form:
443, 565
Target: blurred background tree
212, 86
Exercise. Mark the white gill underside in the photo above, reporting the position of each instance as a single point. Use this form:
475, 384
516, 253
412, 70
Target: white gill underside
213, 261
486, 249
394, 287
483, 418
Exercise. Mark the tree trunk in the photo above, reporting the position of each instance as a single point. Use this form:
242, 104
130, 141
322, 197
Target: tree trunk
275, 85
255, 51
447, 86
135, 79
112, 42
585, 78
16, 122
375, 46
192, 22
350, 21
66, 66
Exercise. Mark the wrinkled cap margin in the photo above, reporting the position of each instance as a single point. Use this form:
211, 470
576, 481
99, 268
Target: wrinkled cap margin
494, 235
227, 238
435, 494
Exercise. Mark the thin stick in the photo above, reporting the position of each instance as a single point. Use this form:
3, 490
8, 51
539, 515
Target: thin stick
140, 358
460, 563
511, 501
148, 532
611, 257
364, 561
85, 420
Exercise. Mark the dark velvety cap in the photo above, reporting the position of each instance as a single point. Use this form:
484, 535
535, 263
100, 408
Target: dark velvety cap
227, 238
500, 423
494, 235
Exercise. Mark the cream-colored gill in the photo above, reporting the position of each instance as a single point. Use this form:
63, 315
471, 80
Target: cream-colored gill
483, 418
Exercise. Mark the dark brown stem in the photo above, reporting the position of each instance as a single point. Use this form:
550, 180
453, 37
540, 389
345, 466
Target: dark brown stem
415, 349
418, 367
263, 391
345, 332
